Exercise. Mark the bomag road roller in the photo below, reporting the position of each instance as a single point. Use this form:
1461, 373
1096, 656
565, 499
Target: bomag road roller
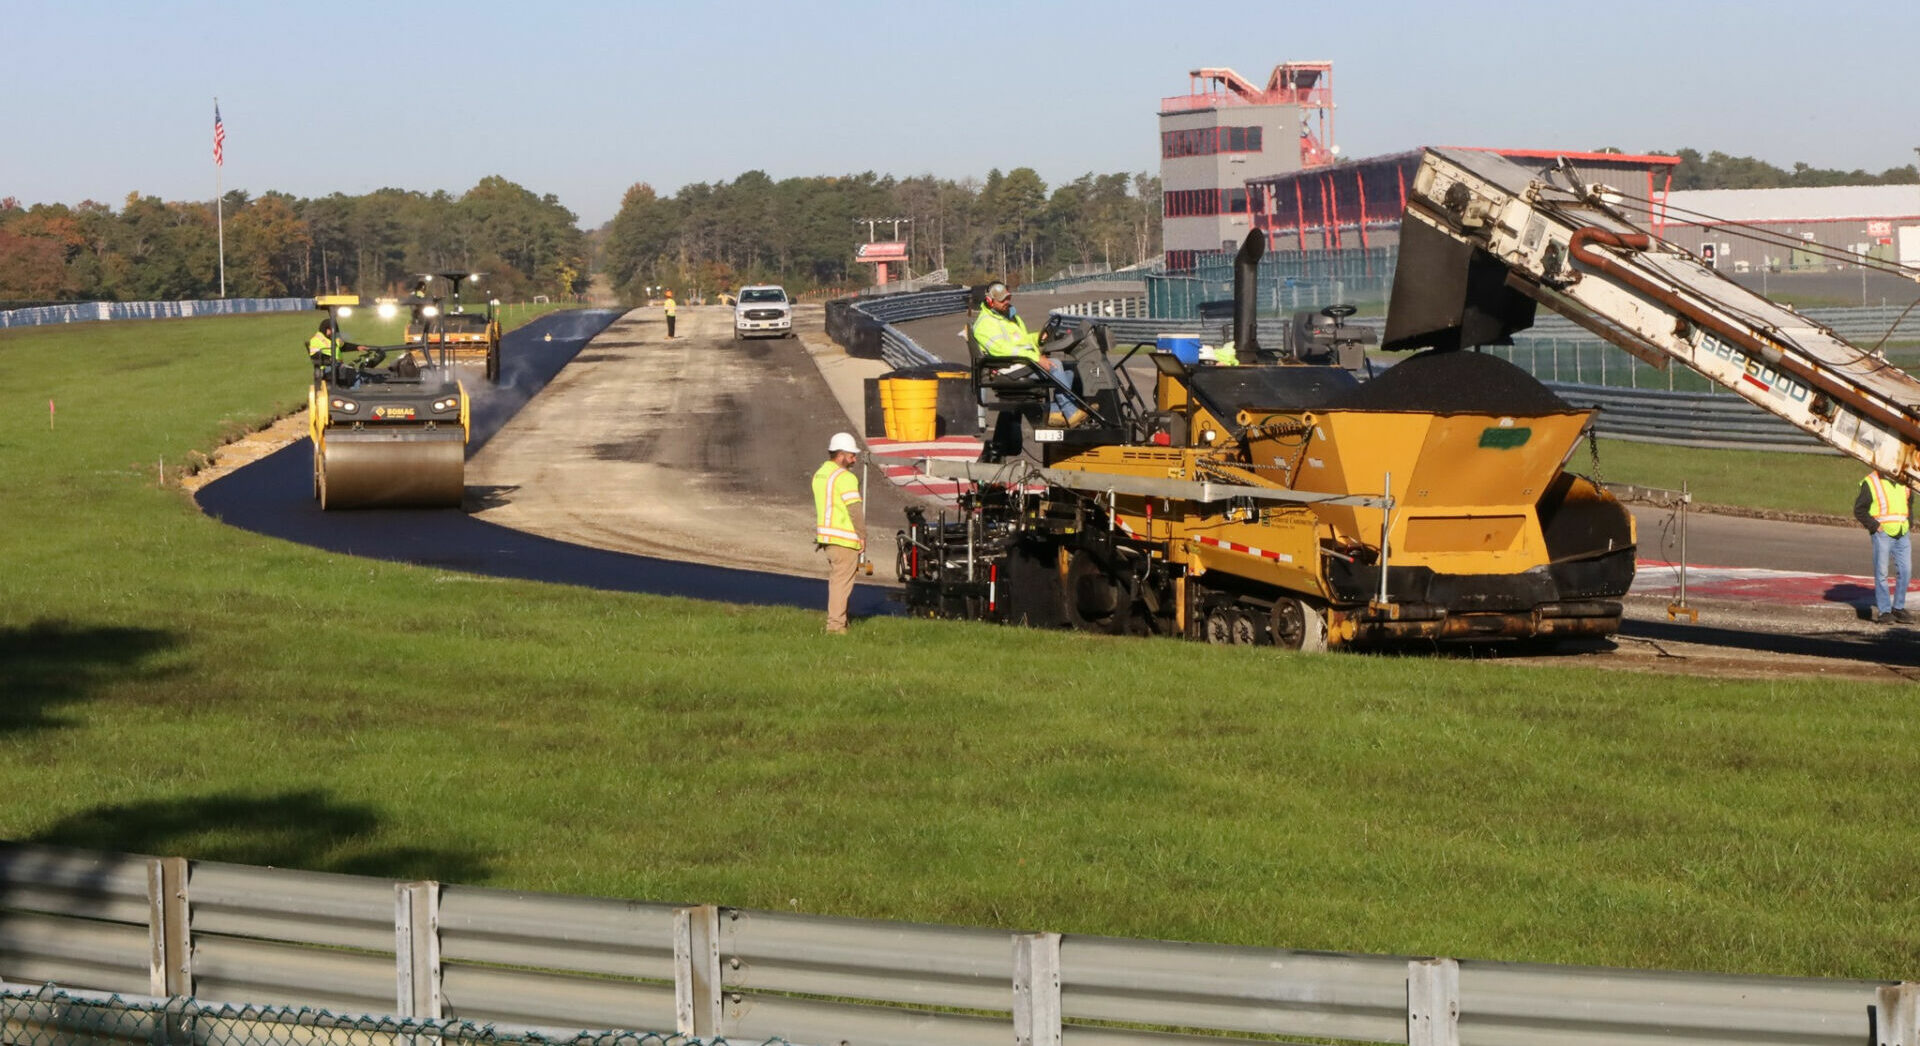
1306, 499
385, 435
468, 337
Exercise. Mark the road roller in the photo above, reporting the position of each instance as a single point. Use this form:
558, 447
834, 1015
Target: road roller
385, 434
469, 337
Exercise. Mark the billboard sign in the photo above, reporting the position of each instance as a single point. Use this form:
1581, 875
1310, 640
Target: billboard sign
883, 251
1879, 228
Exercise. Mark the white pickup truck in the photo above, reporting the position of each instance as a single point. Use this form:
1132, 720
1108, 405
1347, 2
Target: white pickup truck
762, 310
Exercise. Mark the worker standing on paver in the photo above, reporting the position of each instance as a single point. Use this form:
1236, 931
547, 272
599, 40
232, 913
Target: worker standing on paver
839, 524
669, 306
1885, 507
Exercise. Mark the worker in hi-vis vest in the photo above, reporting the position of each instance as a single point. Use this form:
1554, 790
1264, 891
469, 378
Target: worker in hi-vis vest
839, 524
1004, 339
672, 311
1885, 507
320, 346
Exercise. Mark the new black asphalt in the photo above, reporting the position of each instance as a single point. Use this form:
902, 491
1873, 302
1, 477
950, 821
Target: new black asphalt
274, 496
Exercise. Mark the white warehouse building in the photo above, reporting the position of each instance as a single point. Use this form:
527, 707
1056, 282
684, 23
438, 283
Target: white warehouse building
1882, 221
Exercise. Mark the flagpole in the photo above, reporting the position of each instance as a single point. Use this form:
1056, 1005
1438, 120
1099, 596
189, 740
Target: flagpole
219, 208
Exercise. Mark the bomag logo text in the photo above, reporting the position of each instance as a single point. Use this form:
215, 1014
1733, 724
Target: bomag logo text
1756, 373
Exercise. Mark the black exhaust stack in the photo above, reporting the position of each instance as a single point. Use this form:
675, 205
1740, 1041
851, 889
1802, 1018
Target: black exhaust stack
1246, 296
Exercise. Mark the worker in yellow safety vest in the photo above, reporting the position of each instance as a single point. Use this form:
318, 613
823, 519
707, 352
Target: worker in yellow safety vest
320, 345
1005, 342
672, 311
839, 524
1221, 355
1885, 507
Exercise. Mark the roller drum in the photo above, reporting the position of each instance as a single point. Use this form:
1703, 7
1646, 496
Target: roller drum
392, 471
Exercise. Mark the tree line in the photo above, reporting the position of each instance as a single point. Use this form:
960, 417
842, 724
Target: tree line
802, 232
1717, 170
279, 245
706, 236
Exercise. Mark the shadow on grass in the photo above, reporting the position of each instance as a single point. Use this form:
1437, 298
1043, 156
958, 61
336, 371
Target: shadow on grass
308, 829
51, 663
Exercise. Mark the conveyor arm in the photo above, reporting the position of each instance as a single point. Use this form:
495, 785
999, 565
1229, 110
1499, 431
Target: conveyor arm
1484, 239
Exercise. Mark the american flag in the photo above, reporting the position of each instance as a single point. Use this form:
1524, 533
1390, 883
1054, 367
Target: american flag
219, 138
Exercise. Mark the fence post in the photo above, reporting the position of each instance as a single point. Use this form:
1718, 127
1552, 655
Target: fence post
1896, 1015
169, 931
696, 971
1036, 989
416, 949
1433, 1002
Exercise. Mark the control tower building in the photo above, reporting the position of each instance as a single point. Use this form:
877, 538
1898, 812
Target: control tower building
1225, 131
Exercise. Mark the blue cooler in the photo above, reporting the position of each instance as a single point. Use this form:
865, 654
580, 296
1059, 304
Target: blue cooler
1185, 347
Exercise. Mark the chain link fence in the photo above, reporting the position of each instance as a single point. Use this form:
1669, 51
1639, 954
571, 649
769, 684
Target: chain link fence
49, 1016
1287, 281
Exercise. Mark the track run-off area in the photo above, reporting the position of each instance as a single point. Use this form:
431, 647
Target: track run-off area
612, 457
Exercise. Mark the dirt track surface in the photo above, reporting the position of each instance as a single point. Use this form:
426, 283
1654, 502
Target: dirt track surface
699, 448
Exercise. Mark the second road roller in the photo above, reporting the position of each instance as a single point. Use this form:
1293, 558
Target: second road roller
385, 434
470, 336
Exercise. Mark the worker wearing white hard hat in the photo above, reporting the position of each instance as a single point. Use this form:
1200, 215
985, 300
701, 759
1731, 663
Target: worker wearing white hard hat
839, 524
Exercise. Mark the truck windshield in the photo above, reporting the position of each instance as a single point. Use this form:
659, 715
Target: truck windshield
763, 294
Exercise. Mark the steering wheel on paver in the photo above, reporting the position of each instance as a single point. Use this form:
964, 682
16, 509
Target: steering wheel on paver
1055, 328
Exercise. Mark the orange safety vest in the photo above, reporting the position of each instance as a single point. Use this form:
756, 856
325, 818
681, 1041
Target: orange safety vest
835, 492
1889, 505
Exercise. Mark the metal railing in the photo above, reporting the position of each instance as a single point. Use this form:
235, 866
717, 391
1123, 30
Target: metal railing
94, 311
1860, 324
168, 927
1140, 329
1687, 419
865, 326
1132, 306
1136, 276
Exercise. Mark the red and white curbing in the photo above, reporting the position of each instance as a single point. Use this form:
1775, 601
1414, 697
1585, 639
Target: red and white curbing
911, 480
1753, 584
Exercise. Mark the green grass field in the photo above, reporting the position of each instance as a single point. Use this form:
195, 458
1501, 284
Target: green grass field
174, 686
1817, 483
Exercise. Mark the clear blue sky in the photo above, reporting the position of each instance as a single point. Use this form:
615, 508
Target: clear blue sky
584, 99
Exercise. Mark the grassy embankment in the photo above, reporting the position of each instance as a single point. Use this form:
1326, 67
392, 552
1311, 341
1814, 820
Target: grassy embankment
174, 686
1817, 483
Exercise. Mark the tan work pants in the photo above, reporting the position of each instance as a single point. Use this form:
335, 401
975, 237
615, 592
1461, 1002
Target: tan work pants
842, 562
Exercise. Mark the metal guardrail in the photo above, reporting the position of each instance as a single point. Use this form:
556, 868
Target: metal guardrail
1136, 276
1132, 306
1129, 325
872, 321
1687, 419
1861, 324
93, 311
167, 927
